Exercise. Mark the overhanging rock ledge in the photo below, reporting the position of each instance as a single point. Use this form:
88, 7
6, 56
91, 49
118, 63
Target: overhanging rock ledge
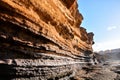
42, 39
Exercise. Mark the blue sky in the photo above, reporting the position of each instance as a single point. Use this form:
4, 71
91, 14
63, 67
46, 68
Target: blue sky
103, 18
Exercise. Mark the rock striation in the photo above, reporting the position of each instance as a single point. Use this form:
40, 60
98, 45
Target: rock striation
42, 39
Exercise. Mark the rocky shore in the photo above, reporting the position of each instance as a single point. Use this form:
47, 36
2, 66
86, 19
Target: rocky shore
98, 72
44, 40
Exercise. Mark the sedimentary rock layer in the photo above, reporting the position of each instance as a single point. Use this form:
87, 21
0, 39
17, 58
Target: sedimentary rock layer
42, 39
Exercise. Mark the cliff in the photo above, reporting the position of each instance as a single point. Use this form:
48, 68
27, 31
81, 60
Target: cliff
109, 56
42, 39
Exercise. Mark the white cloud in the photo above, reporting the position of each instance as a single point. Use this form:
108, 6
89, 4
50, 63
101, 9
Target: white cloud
112, 28
107, 45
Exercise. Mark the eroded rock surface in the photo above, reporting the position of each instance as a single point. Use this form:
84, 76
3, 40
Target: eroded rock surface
42, 39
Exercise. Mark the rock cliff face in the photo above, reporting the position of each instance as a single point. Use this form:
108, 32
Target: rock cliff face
42, 39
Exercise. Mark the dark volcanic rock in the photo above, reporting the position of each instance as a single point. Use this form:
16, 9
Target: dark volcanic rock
41, 39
